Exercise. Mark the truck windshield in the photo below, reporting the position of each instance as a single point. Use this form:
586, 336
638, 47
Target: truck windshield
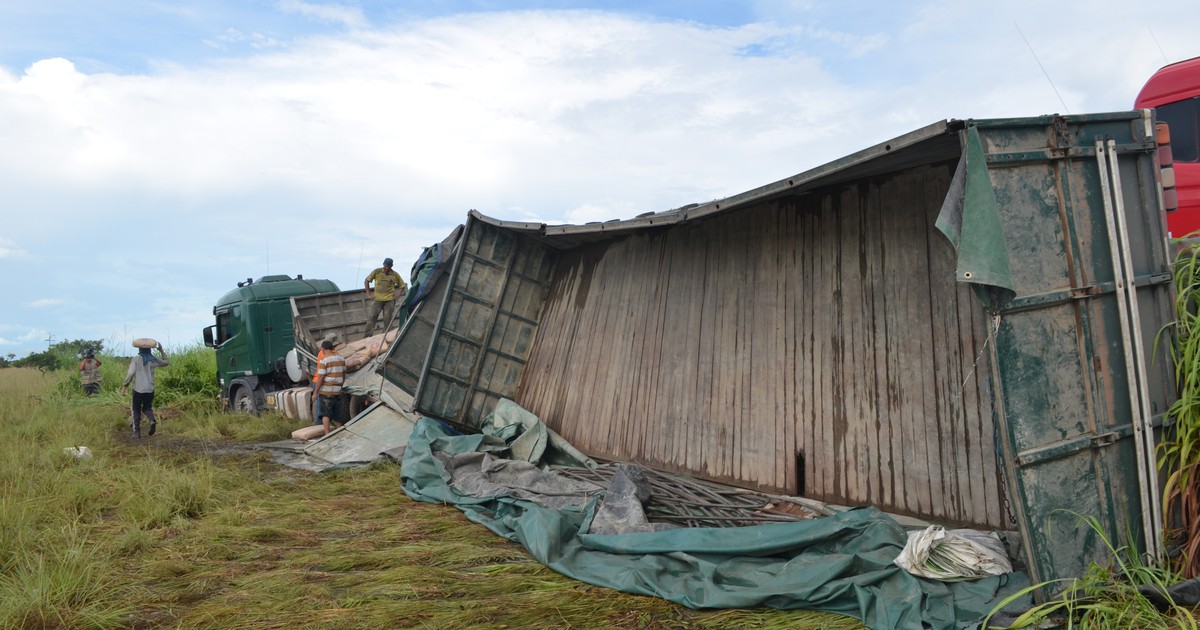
1183, 117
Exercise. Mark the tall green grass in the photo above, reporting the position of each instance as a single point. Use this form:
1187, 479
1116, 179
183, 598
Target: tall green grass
192, 529
190, 380
1179, 451
1106, 596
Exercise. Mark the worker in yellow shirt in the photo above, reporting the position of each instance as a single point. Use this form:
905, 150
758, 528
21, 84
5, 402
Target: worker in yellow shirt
383, 297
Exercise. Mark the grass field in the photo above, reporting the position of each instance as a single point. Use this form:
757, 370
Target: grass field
193, 528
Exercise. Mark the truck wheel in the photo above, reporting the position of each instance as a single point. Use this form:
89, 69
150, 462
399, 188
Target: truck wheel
243, 402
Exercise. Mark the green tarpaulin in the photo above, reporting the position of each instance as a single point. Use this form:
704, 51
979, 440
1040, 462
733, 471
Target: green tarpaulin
841, 564
970, 219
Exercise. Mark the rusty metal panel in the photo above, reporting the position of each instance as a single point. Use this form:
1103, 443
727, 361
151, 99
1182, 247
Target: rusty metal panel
1066, 411
489, 316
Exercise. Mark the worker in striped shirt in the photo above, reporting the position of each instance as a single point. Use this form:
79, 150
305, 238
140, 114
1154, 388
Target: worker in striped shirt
331, 373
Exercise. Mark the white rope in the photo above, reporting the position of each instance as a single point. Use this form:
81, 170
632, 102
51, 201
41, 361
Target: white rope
995, 327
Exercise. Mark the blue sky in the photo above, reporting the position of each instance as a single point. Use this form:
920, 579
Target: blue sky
136, 35
153, 154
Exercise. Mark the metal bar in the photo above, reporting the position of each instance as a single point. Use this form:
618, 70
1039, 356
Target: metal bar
1045, 155
1069, 447
1114, 244
1050, 298
1150, 484
446, 376
1049, 119
467, 297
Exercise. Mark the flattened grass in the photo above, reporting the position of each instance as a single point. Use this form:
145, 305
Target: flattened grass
191, 529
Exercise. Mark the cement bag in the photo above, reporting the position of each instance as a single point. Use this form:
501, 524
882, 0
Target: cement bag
288, 398
296, 403
952, 555
304, 403
358, 359
352, 347
388, 340
310, 432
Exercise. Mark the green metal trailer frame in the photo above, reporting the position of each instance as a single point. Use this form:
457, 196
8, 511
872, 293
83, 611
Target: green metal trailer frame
1055, 220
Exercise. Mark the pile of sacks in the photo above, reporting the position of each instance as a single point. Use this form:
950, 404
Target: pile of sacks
359, 353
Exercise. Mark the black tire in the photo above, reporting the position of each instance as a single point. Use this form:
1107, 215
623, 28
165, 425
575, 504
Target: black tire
243, 402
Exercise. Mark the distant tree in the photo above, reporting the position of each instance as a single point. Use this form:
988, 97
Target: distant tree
78, 347
58, 356
45, 361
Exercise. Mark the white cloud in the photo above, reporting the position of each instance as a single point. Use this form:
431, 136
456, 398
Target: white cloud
321, 155
339, 14
14, 336
45, 302
9, 250
257, 41
496, 110
450, 112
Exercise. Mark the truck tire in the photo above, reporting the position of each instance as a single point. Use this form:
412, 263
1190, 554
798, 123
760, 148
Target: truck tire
243, 402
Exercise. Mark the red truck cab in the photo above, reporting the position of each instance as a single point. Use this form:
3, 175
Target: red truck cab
1174, 93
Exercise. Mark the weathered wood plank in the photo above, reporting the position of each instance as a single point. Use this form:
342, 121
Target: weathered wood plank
742, 431
924, 211
705, 453
878, 442
644, 253
806, 390
853, 343
730, 377
901, 387
825, 323
694, 409
771, 408
785, 287
953, 483
654, 318
593, 400
625, 351
672, 349
553, 343
985, 505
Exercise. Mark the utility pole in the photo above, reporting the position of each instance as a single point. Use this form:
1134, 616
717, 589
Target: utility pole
49, 340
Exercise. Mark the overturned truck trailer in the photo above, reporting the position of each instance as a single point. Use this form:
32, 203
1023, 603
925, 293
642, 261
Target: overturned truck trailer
956, 325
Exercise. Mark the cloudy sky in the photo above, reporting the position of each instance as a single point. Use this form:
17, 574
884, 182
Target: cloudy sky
154, 153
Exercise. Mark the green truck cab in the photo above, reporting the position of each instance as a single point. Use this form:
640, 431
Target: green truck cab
252, 336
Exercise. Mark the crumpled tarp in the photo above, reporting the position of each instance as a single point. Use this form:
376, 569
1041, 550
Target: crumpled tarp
840, 564
529, 438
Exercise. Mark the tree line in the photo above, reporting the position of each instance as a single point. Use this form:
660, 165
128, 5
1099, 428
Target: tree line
61, 355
